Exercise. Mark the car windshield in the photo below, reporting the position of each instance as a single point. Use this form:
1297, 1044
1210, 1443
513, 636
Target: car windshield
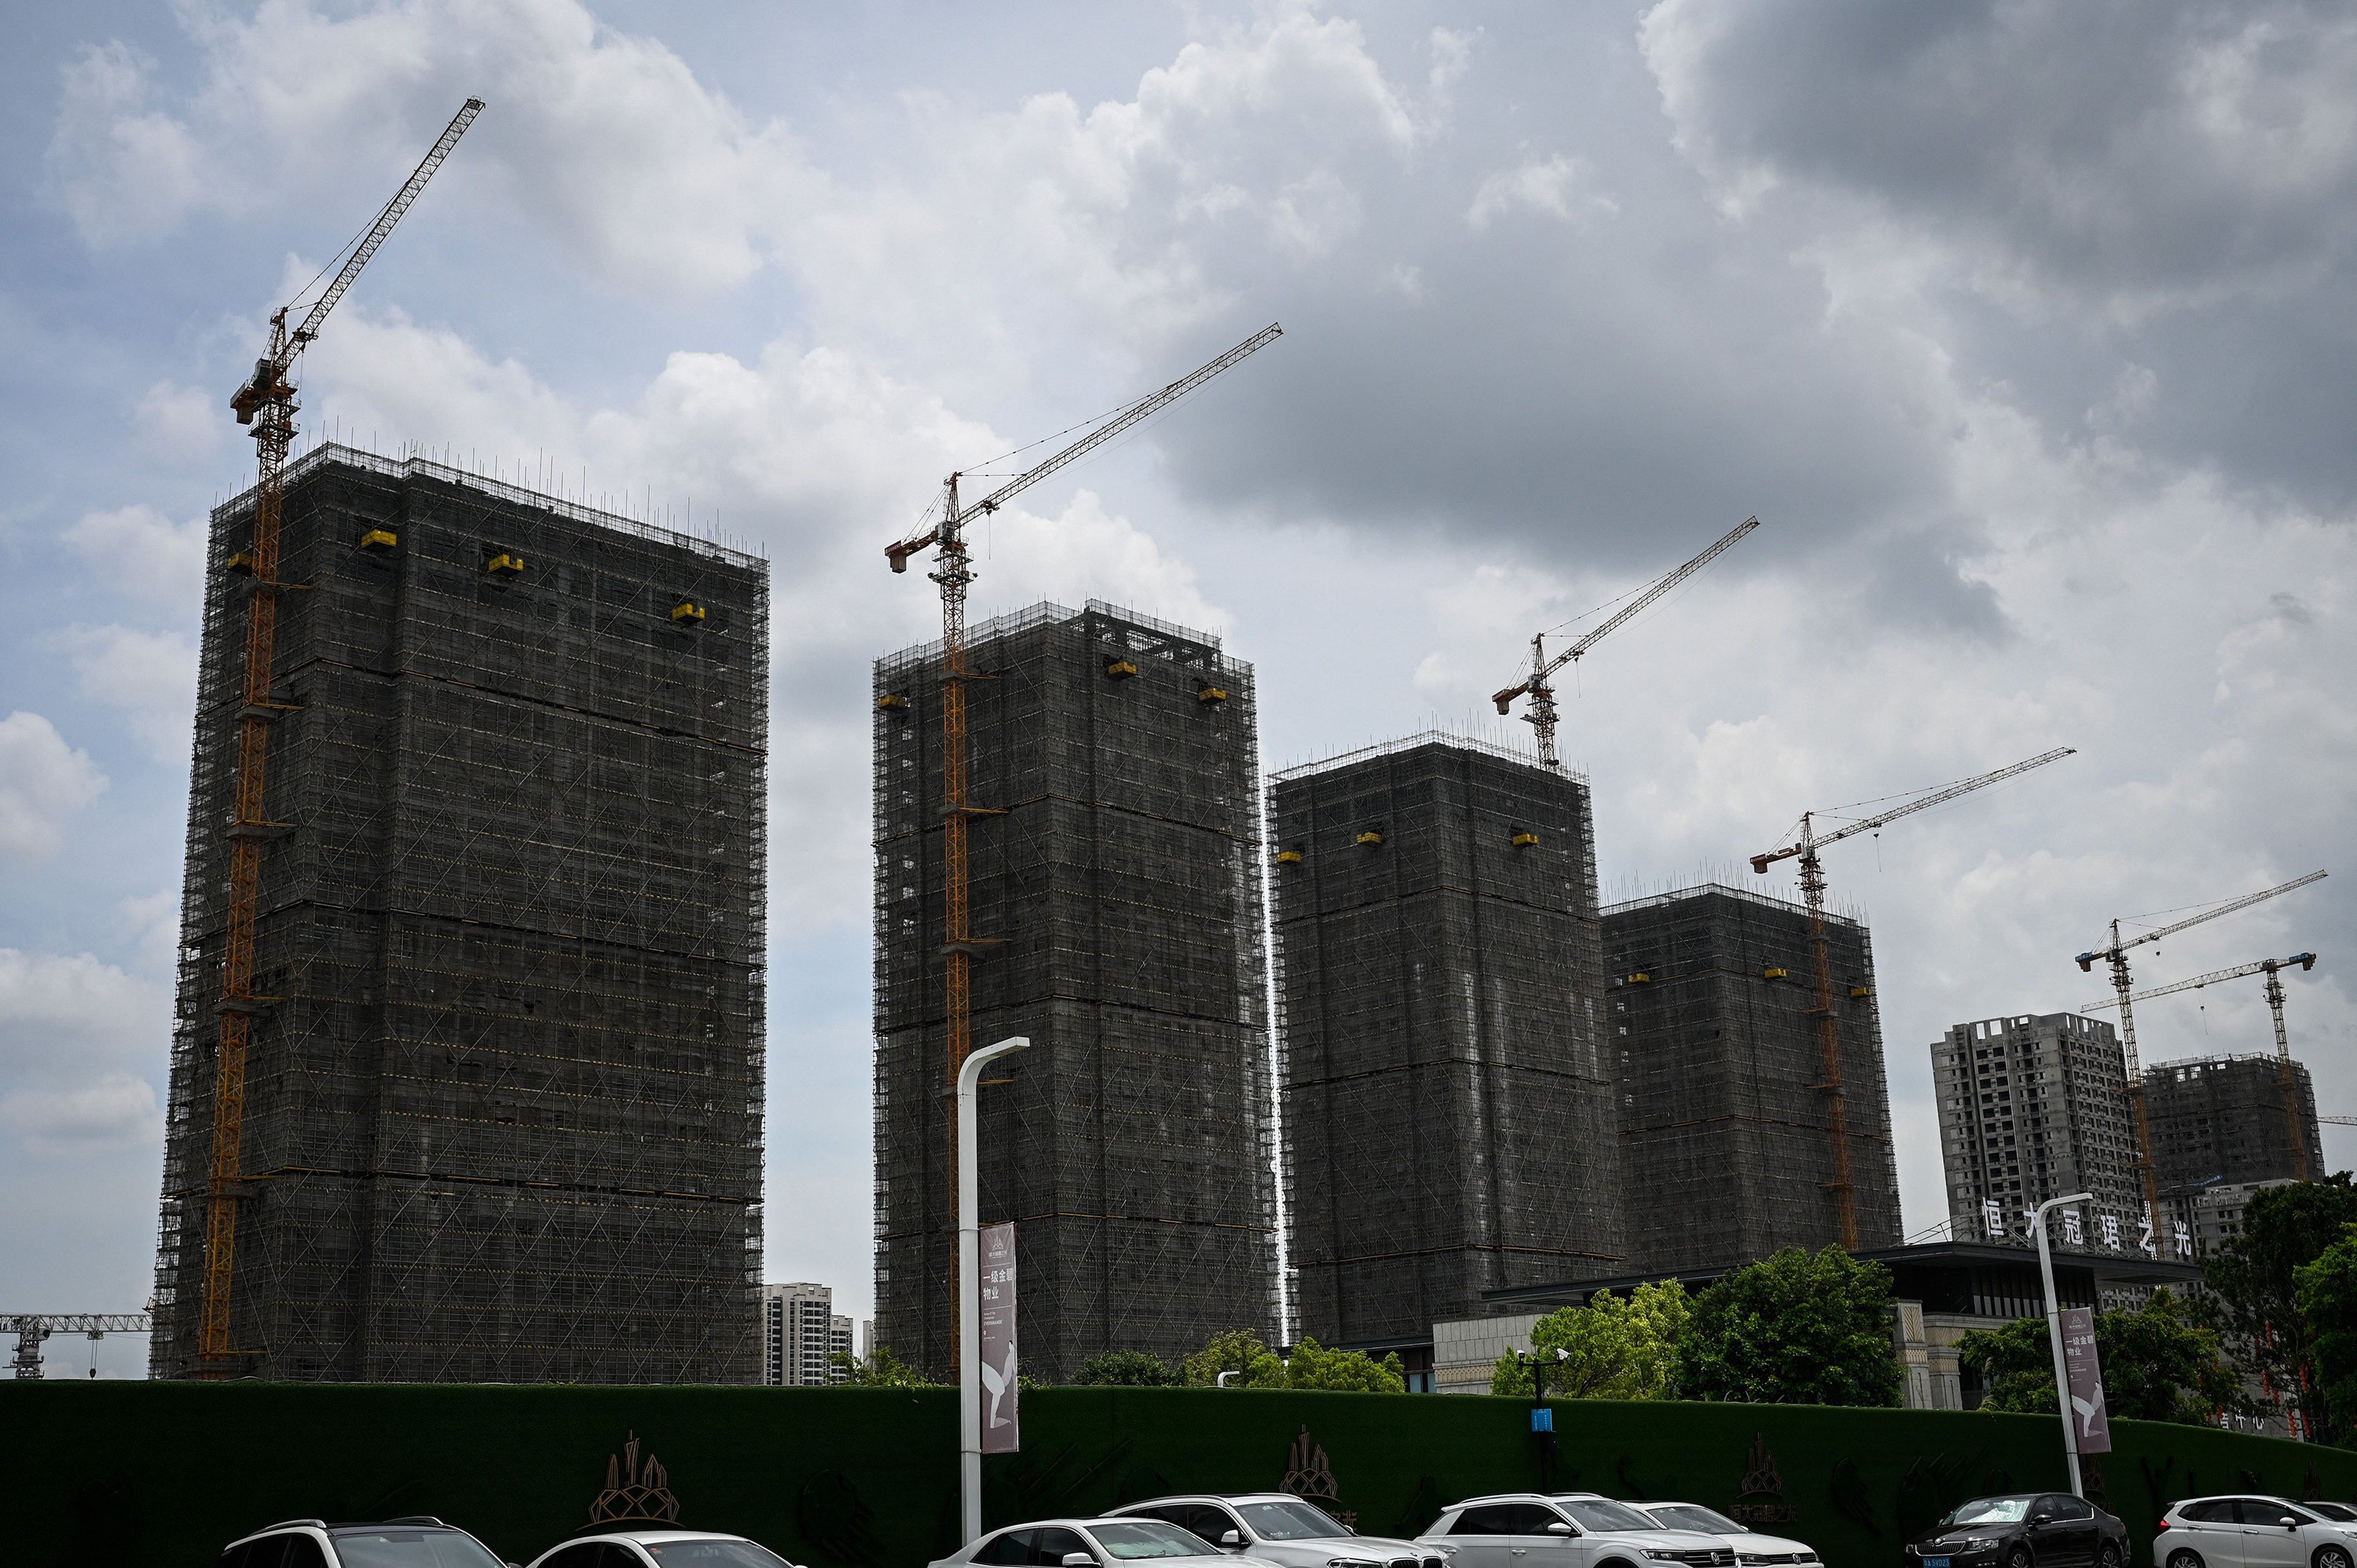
1597, 1513
378, 1546
2342, 1512
1991, 1510
1140, 1539
712, 1554
1694, 1516
1291, 1521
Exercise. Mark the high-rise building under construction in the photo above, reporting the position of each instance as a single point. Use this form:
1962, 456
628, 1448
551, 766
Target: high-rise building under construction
1445, 1097
1719, 1055
1115, 920
502, 1100
2223, 1119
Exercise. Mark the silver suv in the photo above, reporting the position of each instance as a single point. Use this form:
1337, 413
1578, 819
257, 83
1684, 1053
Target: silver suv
1566, 1530
1278, 1526
418, 1542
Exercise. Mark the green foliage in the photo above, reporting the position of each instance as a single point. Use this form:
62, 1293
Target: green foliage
2253, 1285
2157, 1365
1616, 1347
1313, 1367
1342, 1371
1238, 1350
1129, 1370
884, 1369
2327, 1291
1796, 1328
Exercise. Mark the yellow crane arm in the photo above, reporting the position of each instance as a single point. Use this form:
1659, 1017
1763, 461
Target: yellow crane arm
1920, 804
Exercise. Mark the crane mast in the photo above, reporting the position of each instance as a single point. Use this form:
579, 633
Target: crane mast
1542, 715
1812, 895
953, 571
2115, 958
266, 401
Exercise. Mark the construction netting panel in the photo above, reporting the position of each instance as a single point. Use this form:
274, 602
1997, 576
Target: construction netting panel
1724, 1113
2223, 1119
1447, 1104
1116, 893
504, 1115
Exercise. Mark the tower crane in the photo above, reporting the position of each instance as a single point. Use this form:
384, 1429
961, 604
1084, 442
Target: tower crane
2285, 1083
31, 1327
2116, 956
1812, 893
1542, 716
953, 570
266, 401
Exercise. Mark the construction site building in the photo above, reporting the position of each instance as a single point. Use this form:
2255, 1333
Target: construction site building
1445, 1101
2221, 1119
503, 1095
2033, 1107
1115, 903
1726, 1136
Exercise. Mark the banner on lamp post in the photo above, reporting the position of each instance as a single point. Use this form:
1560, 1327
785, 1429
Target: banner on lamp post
1000, 1434
2090, 1424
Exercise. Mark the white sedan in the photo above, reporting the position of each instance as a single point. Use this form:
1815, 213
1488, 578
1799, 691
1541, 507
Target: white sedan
1752, 1550
1088, 1543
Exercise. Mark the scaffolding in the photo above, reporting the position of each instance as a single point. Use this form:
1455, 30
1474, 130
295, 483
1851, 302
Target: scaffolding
505, 1084
1117, 909
2221, 1119
1447, 1105
1723, 1133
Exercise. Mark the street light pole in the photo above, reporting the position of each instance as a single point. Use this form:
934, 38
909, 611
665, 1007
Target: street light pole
2054, 1331
970, 1289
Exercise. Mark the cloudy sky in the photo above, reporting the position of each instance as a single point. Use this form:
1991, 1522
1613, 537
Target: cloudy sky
2025, 327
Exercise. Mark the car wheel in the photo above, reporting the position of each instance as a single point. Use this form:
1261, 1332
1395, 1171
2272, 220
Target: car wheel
2019, 1558
2332, 1557
2185, 1560
2108, 1556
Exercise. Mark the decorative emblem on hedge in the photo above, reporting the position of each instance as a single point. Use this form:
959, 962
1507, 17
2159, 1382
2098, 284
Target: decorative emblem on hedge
1763, 1488
633, 1491
1309, 1475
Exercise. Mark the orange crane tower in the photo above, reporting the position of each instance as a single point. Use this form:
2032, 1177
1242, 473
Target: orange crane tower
1812, 893
266, 401
2116, 956
954, 572
2285, 1083
1542, 716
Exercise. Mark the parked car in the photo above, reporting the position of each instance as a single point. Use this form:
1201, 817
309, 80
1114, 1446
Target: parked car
659, 1549
1565, 1530
2340, 1512
1752, 1550
419, 1541
2248, 1531
1278, 1527
1087, 1543
2025, 1530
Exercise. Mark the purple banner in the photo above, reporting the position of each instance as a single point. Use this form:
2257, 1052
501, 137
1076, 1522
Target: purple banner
1000, 1434
2090, 1423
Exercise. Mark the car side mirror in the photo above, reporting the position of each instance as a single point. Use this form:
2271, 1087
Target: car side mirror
2288, 1523
1231, 1538
1559, 1528
1079, 1560
2041, 1518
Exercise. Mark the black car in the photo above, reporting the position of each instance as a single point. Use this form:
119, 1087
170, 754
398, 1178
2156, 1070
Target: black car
2023, 1529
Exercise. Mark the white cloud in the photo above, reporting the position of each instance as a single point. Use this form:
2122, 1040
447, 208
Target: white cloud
43, 783
148, 677
118, 1112
139, 550
180, 421
1554, 185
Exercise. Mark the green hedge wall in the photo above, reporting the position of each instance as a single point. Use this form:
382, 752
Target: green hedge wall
164, 1474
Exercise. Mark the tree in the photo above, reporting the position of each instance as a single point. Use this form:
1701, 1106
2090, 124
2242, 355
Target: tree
1241, 1351
1129, 1370
1796, 1328
883, 1369
2158, 1364
1343, 1371
1619, 1347
2253, 1283
2326, 1290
